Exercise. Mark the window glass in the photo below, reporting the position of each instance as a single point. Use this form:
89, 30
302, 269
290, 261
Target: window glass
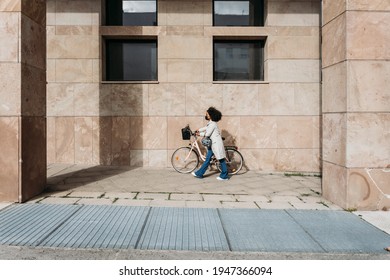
131, 13
238, 60
238, 12
131, 60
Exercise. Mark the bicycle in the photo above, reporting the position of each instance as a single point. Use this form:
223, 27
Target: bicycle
186, 159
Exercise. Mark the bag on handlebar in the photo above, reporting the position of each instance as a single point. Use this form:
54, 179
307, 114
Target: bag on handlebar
186, 133
206, 141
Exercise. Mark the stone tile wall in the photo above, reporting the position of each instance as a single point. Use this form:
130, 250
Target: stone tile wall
356, 110
276, 124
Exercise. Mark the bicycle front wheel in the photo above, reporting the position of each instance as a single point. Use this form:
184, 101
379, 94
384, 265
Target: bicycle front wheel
184, 160
234, 161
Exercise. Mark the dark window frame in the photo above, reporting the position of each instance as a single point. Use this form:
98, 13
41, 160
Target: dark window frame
262, 20
108, 16
261, 65
107, 57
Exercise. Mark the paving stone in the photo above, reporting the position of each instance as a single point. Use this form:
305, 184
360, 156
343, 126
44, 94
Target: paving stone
310, 206
4, 205
229, 204
167, 203
132, 202
203, 204
59, 200
86, 194
190, 197
218, 197
159, 196
261, 198
59, 193
95, 201
285, 198
274, 205
113, 195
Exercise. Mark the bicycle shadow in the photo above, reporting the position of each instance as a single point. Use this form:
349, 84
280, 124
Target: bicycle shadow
230, 140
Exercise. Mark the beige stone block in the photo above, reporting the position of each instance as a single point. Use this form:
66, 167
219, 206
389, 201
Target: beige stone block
95, 201
50, 70
304, 71
218, 197
274, 205
10, 89
374, 28
200, 96
332, 9
74, 12
86, 99
36, 10
230, 130
368, 140
260, 159
184, 70
9, 48
95, 140
276, 48
9, 158
239, 205
96, 70
76, 30
60, 99
103, 133
184, 12
158, 158
180, 30
68, 46
50, 12
369, 5
163, 70
208, 71
139, 158
153, 196
240, 99
120, 141
128, 99
51, 140
74, 70
148, 133
9, 25
162, 13
296, 132
334, 88
334, 183
83, 140
65, 140
186, 196
291, 13
60, 200
299, 160
368, 86
167, 99
188, 47
258, 132
334, 44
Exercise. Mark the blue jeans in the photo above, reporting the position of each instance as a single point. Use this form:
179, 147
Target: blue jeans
202, 170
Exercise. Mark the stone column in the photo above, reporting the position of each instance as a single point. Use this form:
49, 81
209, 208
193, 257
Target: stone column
22, 99
356, 103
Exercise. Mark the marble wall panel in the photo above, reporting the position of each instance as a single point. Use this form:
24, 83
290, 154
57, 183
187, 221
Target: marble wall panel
9, 159
185, 70
33, 45
332, 9
334, 182
158, 158
368, 140
290, 47
230, 130
334, 88
174, 126
50, 12
68, 46
201, 96
260, 159
240, 99
139, 158
51, 140
127, 99
60, 99
304, 71
258, 132
86, 99
65, 140
295, 132
368, 86
192, 31
10, 89
74, 70
148, 133
75, 12
83, 140
11, 5
167, 99
33, 154
105, 140
95, 140
293, 13
368, 35
298, 160
186, 47
121, 141
369, 5
334, 137
50, 70
184, 12
33, 99
35, 10
9, 41
334, 45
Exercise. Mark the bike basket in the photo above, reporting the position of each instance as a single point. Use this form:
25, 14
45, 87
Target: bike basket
186, 133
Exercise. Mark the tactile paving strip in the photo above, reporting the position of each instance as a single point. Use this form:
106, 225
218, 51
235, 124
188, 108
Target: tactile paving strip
265, 231
339, 231
183, 229
100, 227
29, 225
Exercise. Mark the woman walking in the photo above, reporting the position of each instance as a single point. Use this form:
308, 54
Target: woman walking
217, 148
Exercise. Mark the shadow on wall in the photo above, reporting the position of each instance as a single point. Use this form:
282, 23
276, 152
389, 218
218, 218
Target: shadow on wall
230, 140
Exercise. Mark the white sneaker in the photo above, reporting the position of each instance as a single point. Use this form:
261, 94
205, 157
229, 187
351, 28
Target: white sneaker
196, 176
221, 179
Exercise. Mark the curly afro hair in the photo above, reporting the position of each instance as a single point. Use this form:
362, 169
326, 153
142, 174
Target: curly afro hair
215, 115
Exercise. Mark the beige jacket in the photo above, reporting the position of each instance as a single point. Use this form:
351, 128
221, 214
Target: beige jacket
212, 130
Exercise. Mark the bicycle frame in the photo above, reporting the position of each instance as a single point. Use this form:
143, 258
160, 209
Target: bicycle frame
194, 144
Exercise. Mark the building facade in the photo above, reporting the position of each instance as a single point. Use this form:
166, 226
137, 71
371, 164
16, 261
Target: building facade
302, 85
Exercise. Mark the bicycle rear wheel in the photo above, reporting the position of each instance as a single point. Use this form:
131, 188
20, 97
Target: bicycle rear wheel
184, 160
234, 161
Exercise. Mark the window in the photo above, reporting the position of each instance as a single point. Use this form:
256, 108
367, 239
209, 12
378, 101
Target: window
238, 12
131, 13
238, 60
131, 60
